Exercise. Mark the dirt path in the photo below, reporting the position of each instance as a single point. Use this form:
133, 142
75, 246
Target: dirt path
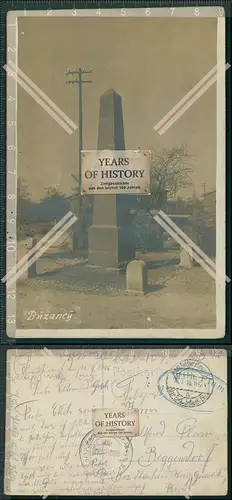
183, 299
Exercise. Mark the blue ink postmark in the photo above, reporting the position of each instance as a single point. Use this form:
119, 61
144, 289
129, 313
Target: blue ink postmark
188, 384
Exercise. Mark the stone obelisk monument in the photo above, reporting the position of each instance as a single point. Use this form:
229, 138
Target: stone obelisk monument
111, 236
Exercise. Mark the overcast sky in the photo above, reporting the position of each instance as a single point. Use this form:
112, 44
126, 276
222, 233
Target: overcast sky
151, 63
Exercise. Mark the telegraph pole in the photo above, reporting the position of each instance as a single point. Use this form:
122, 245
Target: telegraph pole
79, 81
78, 73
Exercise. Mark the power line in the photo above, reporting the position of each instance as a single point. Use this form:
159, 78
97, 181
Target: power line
79, 81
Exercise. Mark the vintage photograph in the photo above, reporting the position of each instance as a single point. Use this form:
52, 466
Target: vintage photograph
130, 250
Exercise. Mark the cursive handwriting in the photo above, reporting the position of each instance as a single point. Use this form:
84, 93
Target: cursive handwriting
51, 444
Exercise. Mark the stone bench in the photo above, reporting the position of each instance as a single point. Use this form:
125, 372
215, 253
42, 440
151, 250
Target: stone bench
186, 259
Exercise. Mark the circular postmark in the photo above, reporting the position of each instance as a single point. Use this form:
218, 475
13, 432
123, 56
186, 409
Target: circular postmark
190, 383
105, 456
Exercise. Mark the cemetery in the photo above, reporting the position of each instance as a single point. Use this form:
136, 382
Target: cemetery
114, 283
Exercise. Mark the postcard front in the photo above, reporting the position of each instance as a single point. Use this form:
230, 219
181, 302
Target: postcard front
148, 262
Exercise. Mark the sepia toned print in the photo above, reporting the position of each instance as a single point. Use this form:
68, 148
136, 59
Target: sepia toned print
179, 398
149, 261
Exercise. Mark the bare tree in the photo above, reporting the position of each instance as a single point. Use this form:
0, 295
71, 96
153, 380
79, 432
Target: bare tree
52, 191
76, 190
24, 203
22, 189
53, 205
170, 172
202, 217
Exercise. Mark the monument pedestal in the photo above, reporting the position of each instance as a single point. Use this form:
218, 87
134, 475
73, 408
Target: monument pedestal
111, 242
107, 248
103, 246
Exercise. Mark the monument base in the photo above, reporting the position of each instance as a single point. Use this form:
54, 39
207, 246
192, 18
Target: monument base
109, 247
109, 270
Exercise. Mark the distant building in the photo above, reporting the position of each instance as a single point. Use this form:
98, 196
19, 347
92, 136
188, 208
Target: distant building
209, 236
209, 205
209, 201
179, 206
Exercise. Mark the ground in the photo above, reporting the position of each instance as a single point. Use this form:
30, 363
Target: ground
176, 297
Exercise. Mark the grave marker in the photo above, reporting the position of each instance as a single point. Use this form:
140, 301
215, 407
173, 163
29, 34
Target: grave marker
136, 277
186, 260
